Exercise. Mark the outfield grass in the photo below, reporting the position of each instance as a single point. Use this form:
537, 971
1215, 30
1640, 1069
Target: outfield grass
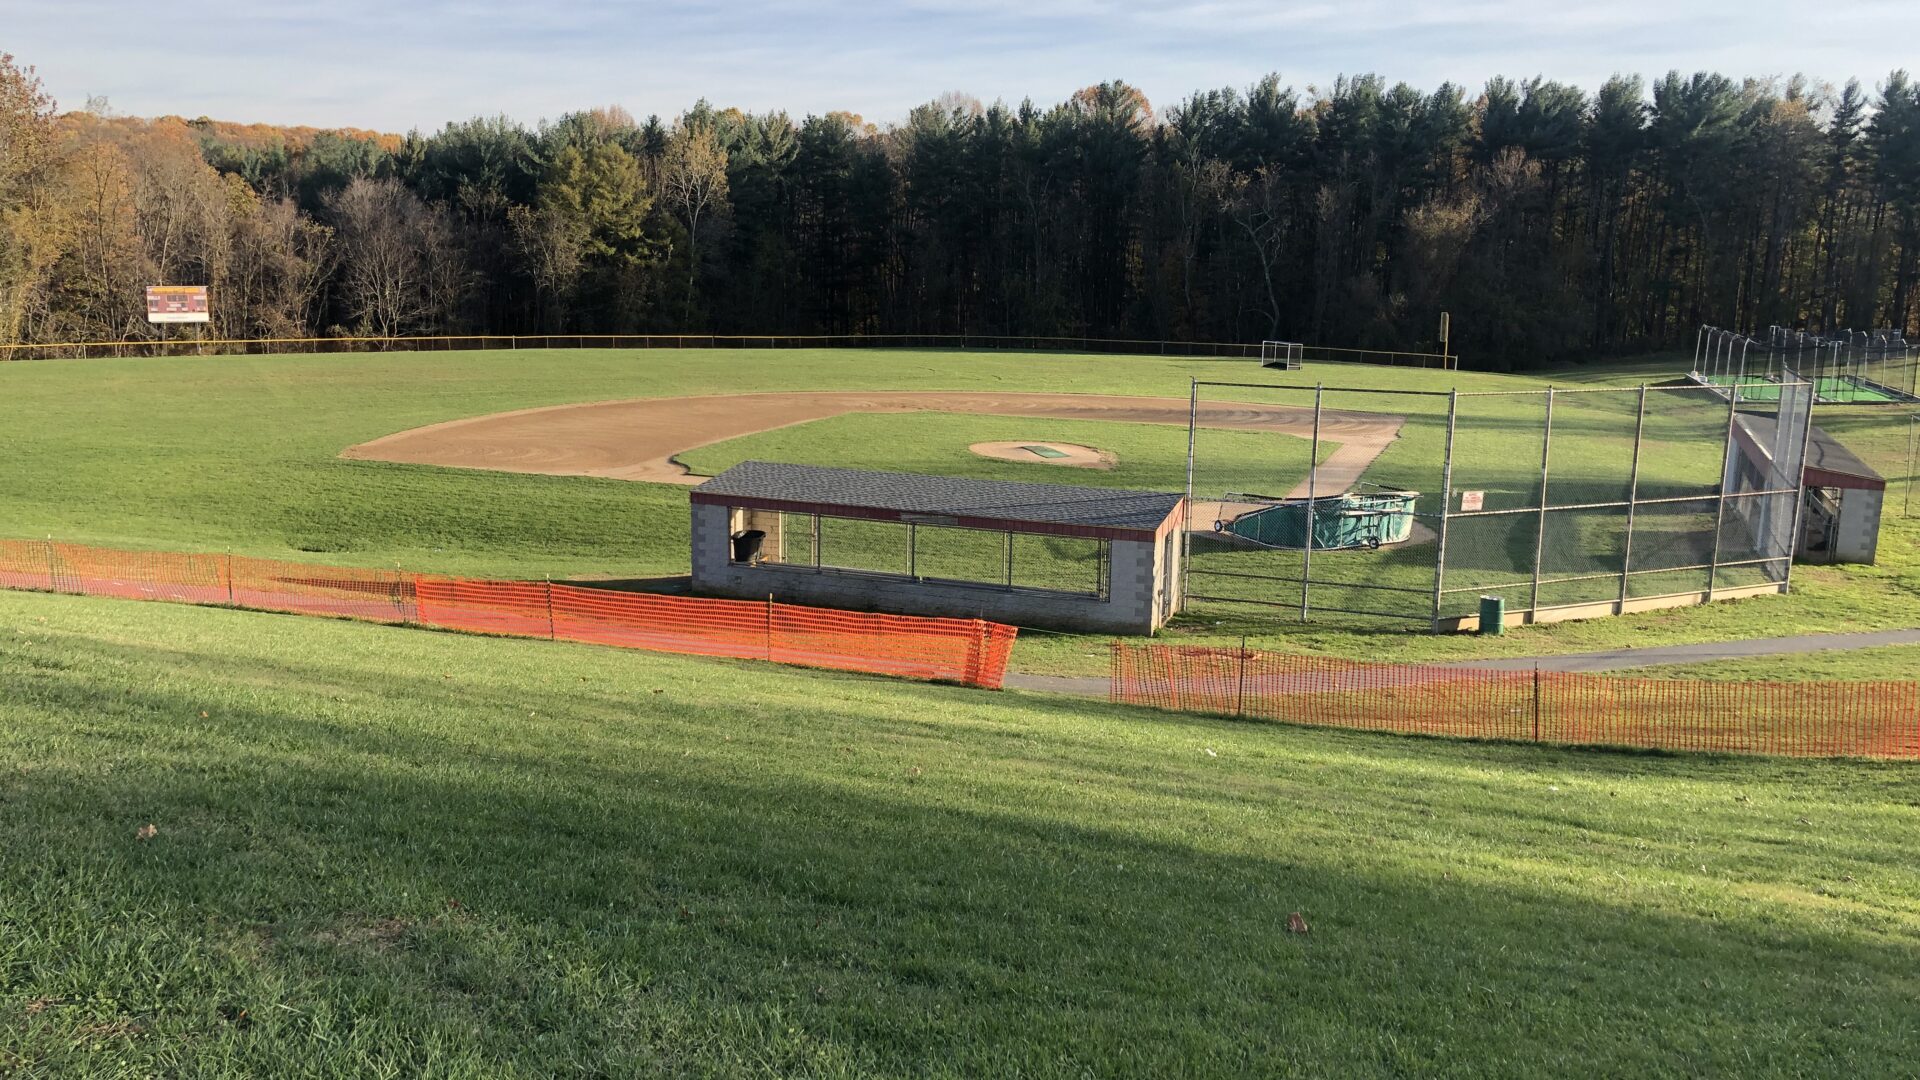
393, 852
240, 453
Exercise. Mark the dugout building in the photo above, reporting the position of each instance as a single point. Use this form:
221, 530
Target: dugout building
1043, 555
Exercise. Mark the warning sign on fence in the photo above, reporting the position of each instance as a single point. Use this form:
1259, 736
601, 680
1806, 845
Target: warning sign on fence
176, 303
1472, 500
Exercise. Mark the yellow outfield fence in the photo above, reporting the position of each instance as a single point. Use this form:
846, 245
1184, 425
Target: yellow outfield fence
446, 342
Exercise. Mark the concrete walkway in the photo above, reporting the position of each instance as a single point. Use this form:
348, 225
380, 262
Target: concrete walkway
1608, 660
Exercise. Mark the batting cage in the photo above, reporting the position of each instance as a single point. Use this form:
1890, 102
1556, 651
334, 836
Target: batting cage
1413, 506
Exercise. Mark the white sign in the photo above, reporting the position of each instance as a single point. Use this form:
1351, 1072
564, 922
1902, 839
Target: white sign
1472, 500
176, 303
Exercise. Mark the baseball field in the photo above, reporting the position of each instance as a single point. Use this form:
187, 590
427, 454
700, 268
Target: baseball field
375, 851
281, 456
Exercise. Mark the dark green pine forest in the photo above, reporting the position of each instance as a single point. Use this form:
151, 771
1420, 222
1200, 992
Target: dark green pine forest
1557, 223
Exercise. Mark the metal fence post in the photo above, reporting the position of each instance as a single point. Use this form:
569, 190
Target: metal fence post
1720, 505
1240, 696
230, 602
53, 578
1540, 529
769, 626
1446, 508
1799, 481
553, 633
1536, 701
1313, 472
1633, 498
1906, 501
1186, 539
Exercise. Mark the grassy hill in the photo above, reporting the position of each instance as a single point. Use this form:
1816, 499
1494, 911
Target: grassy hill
381, 851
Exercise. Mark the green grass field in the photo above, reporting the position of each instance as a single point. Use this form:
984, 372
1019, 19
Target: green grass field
240, 453
392, 852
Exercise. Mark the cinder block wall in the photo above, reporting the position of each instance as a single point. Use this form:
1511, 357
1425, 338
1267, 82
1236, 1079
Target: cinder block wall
1857, 539
1133, 608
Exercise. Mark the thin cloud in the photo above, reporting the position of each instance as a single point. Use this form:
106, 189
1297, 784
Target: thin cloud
404, 65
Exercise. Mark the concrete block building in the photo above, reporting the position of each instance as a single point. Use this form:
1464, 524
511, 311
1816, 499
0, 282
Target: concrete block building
1841, 495
1844, 500
1043, 555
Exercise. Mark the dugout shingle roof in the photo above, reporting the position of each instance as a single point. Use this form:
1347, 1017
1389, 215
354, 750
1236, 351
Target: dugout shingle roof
941, 500
1829, 462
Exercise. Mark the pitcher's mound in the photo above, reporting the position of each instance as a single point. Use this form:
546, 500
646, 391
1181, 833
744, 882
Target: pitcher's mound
1047, 453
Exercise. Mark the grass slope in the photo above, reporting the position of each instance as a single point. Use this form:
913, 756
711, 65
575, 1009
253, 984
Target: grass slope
240, 453
385, 852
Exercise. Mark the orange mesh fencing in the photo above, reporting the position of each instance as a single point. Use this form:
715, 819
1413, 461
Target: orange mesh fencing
969, 651
26, 564
513, 608
674, 624
1805, 719
138, 575
340, 591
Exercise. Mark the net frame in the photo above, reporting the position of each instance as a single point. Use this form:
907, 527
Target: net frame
1283, 355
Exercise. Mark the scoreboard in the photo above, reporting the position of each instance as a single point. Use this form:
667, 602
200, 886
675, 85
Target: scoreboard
176, 303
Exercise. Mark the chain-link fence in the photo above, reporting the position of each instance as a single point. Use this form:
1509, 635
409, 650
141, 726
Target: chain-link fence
202, 346
1414, 505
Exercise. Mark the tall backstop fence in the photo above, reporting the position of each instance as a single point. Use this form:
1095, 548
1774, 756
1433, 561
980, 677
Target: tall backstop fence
1413, 505
1231, 350
1801, 719
969, 651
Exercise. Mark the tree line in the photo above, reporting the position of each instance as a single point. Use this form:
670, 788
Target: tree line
1555, 224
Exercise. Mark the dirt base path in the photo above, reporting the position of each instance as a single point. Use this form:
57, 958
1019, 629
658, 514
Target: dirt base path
637, 439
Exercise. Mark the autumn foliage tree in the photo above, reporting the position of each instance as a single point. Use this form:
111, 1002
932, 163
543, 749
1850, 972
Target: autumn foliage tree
31, 233
1556, 223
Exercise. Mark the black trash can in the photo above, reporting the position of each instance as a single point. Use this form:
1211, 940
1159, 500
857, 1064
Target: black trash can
746, 546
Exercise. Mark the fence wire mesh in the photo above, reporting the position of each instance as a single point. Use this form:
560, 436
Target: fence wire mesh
1560, 502
1803, 719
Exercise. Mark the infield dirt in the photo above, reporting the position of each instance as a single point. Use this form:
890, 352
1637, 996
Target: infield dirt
638, 439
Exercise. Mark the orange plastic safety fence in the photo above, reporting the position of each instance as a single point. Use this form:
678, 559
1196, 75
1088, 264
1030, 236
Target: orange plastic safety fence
958, 650
341, 591
1806, 719
675, 624
138, 575
26, 564
514, 608
968, 651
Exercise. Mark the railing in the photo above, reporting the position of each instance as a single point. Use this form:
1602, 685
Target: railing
1802, 719
1126, 346
969, 651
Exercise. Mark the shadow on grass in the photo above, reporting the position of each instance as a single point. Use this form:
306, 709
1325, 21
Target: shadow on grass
832, 883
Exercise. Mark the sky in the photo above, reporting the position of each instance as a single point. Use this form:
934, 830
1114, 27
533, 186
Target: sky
404, 64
